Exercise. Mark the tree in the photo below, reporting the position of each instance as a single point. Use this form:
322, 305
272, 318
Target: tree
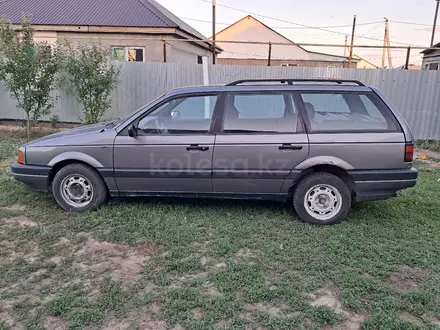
28, 70
93, 77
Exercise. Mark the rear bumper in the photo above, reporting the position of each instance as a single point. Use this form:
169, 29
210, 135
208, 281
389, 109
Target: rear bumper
382, 184
35, 177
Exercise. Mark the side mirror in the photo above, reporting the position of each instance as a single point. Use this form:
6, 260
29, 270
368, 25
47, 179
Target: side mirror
132, 131
175, 114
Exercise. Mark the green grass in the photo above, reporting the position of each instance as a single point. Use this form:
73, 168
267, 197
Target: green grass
433, 145
208, 264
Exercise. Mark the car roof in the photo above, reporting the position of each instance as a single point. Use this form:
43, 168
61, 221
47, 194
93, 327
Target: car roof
267, 87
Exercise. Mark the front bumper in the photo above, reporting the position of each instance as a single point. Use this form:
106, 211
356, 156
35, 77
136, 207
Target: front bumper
382, 184
35, 177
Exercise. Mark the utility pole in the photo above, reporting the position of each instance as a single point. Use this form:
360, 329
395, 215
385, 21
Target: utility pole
435, 23
390, 60
386, 46
352, 41
213, 31
346, 46
384, 49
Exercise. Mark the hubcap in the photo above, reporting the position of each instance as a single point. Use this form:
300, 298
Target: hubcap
77, 191
323, 202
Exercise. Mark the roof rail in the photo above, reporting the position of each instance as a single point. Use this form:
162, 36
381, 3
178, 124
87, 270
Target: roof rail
291, 81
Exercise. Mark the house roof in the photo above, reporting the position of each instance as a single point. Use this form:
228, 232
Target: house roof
125, 13
430, 50
314, 56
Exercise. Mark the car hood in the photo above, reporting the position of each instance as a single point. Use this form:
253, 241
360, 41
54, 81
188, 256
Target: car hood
76, 136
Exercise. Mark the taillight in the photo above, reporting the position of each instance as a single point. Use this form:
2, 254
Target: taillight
409, 152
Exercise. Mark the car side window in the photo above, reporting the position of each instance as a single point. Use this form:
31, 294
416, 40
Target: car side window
260, 113
333, 112
185, 115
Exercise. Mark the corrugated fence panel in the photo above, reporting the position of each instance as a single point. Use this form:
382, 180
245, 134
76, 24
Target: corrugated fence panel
415, 93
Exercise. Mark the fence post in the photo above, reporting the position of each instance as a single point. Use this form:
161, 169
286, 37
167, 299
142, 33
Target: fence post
408, 54
164, 51
270, 54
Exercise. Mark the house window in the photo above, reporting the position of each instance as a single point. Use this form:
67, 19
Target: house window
135, 54
118, 53
199, 59
433, 66
130, 54
290, 64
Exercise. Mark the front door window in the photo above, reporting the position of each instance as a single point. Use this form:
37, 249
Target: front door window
188, 115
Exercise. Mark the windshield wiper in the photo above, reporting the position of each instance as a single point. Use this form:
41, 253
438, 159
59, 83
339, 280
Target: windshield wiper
111, 124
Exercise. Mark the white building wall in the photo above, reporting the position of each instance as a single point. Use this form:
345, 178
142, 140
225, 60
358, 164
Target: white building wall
249, 29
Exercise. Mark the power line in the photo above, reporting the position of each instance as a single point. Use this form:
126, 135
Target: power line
410, 23
380, 24
283, 27
298, 24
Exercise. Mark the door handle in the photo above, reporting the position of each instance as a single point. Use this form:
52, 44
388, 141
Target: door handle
197, 147
288, 146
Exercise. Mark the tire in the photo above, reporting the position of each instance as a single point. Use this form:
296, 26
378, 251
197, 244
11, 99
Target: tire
79, 188
322, 198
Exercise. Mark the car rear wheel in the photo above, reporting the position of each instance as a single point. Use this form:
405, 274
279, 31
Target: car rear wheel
79, 188
322, 198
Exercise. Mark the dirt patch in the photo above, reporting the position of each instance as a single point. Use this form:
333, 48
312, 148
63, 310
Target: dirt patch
56, 260
279, 310
140, 320
19, 222
10, 321
212, 291
29, 253
329, 297
405, 316
197, 313
15, 207
430, 317
404, 278
123, 262
63, 241
246, 254
54, 323
427, 158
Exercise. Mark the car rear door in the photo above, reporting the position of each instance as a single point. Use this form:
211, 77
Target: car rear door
260, 140
173, 149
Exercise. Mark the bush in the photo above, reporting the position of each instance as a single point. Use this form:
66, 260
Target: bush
28, 70
92, 75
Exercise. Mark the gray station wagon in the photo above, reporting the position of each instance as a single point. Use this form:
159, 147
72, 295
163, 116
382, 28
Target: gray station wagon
316, 143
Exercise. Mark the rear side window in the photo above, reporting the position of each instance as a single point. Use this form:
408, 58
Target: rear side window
260, 113
342, 112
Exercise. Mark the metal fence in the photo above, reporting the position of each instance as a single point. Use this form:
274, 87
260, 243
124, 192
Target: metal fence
415, 93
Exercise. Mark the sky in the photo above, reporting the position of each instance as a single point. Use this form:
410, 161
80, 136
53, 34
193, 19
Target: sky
328, 14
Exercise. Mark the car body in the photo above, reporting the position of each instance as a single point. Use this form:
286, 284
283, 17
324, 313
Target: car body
249, 139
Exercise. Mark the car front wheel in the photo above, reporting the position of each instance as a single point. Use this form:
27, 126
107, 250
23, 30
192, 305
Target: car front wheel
322, 198
79, 188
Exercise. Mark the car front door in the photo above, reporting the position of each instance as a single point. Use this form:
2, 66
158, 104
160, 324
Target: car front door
171, 151
259, 144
